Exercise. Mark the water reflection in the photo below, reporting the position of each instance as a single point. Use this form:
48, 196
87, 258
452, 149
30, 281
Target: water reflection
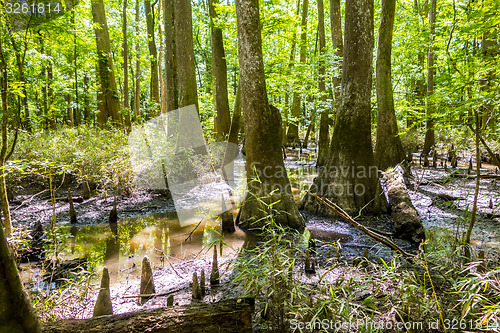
155, 235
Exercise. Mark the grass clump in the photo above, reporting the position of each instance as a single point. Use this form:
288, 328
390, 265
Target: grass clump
99, 157
437, 292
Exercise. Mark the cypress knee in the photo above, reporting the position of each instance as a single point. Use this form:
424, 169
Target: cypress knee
103, 305
147, 282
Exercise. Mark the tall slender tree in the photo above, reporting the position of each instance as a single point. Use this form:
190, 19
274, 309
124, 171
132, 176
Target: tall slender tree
293, 127
489, 51
337, 44
291, 63
388, 148
170, 56
153, 55
126, 101
350, 177
137, 90
429, 127
266, 173
186, 71
219, 68
106, 69
6, 220
323, 142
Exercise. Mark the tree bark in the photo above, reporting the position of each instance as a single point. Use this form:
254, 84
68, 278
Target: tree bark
350, 178
6, 218
153, 53
106, 68
76, 110
388, 148
219, 68
126, 101
291, 63
293, 127
232, 148
324, 140
50, 96
489, 51
267, 179
229, 316
170, 56
429, 127
137, 91
188, 92
163, 101
69, 108
337, 44
16, 312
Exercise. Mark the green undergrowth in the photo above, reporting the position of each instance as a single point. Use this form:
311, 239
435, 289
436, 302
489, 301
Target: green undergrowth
438, 292
81, 154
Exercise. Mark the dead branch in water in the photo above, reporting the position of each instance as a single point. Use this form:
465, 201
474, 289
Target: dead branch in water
382, 239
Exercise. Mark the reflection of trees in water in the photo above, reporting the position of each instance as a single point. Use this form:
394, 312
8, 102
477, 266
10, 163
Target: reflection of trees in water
112, 248
74, 232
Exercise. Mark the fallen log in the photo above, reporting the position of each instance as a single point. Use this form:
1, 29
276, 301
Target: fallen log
407, 222
233, 315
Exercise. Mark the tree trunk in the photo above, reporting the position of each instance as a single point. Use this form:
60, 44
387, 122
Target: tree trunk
163, 101
86, 102
155, 89
290, 67
489, 50
16, 312
350, 177
310, 128
76, 110
429, 132
170, 57
69, 108
106, 69
388, 148
50, 96
264, 158
232, 148
323, 140
188, 92
293, 127
45, 101
337, 44
126, 101
137, 90
229, 316
6, 219
219, 68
